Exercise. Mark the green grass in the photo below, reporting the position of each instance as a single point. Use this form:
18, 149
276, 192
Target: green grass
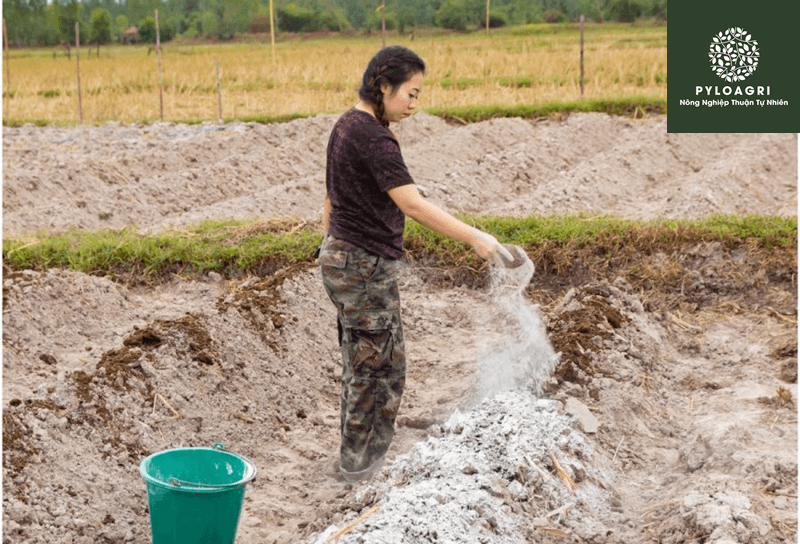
233, 248
631, 107
580, 230
637, 106
211, 245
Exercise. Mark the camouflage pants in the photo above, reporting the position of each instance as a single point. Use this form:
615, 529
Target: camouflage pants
364, 289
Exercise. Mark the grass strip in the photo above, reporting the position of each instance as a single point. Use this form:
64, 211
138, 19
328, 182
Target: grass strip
235, 248
630, 107
608, 235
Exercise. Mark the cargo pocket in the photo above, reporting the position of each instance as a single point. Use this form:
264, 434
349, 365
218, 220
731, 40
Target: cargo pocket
335, 277
335, 259
374, 337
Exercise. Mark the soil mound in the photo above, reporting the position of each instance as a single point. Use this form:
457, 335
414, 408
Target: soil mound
669, 414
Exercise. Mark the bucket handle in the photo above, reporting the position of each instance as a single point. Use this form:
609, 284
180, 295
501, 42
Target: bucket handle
179, 483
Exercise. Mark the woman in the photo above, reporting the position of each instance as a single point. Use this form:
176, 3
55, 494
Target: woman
369, 193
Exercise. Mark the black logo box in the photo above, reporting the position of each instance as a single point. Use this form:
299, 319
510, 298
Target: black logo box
766, 100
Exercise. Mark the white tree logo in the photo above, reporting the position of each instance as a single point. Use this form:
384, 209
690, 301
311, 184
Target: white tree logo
734, 54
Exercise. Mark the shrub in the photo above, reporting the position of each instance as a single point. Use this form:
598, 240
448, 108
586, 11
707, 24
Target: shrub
147, 29
293, 18
335, 19
627, 11
497, 20
209, 24
259, 24
375, 20
553, 16
101, 26
452, 15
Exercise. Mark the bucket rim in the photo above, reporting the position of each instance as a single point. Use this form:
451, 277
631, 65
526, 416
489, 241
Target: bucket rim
249, 475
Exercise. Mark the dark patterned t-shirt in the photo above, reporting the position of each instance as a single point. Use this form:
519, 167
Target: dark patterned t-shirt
364, 162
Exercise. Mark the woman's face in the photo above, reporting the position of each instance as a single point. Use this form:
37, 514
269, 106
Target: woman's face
401, 101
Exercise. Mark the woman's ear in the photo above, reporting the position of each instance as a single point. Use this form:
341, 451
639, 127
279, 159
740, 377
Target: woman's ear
387, 89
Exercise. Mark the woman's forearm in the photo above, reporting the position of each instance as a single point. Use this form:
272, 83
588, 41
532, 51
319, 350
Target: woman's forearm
326, 214
432, 217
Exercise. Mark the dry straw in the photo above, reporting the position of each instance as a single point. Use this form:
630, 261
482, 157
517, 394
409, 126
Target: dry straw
124, 83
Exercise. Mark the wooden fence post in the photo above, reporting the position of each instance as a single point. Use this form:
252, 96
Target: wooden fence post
582, 56
383, 22
160, 76
78, 58
219, 93
487, 17
272, 29
5, 43
8, 70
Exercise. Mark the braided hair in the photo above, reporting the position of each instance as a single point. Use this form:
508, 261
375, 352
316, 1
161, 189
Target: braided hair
393, 65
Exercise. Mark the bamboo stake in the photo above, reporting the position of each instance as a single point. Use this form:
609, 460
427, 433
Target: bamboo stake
5, 43
272, 29
487, 16
219, 93
582, 18
160, 75
78, 59
8, 70
383, 22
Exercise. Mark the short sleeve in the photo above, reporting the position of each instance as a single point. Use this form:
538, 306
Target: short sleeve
385, 161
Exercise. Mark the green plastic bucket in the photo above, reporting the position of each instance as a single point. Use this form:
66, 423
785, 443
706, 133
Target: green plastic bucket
195, 495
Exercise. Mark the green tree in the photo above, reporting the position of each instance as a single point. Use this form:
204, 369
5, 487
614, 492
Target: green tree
209, 24
259, 22
452, 14
122, 24
294, 18
234, 16
375, 19
147, 29
415, 12
523, 12
26, 21
51, 25
356, 11
193, 24
498, 17
659, 9
628, 11
333, 18
100, 27
69, 13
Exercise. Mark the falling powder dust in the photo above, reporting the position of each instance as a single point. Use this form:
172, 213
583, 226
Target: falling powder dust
515, 352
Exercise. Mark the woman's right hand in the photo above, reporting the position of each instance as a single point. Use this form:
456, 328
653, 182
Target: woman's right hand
488, 248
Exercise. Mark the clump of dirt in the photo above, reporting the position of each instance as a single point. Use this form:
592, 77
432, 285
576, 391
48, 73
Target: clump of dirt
585, 320
17, 447
258, 298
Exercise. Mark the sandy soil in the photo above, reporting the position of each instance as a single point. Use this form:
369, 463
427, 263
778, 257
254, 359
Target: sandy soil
666, 422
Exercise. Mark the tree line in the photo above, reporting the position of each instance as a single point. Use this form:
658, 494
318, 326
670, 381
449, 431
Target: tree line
39, 23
